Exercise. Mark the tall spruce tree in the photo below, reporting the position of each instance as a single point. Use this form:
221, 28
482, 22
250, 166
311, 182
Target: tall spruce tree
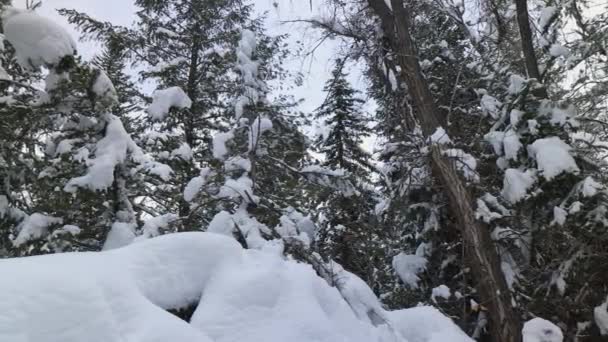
345, 125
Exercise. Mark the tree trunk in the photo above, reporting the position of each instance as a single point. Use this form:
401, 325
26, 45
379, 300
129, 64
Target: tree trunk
482, 256
527, 44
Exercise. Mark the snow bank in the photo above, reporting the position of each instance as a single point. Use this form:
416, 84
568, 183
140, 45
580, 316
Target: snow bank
110, 296
541, 330
242, 295
426, 324
165, 99
38, 41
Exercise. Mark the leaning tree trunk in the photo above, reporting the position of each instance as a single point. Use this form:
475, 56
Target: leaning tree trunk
482, 256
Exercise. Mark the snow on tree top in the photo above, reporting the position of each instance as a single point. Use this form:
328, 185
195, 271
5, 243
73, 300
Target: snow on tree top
38, 41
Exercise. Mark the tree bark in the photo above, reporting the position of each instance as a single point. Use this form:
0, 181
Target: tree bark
527, 44
482, 256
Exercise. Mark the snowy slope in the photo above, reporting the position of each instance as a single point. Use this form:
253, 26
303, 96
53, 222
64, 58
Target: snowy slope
119, 295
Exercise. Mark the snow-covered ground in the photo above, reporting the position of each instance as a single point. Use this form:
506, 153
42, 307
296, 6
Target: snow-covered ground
242, 295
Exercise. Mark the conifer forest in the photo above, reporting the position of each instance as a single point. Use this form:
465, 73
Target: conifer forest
303, 170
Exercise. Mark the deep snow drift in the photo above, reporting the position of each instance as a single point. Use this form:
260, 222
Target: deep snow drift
245, 295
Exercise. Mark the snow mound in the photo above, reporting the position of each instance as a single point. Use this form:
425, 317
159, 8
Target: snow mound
38, 41
541, 330
242, 295
165, 99
426, 324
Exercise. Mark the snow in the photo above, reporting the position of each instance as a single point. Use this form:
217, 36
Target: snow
511, 145
195, 185
104, 89
238, 188
259, 126
533, 127
71, 229
110, 151
426, 324
167, 32
238, 163
33, 227
559, 216
541, 330
219, 144
600, 314
559, 114
484, 213
183, 152
323, 171
165, 99
575, 207
222, 223
38, 41
441, 291
516, 84
516, 184
408, 267
546, 15
504, 142
152, 226
303, 223
249, 72
464, 162
440, 137
557, 50
240, 295
121, 234
172, 63
495, 138
590, 187
515, 116
553, 157
4, 206
490, 106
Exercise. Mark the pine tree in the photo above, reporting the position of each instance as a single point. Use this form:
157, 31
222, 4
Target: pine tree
345, 125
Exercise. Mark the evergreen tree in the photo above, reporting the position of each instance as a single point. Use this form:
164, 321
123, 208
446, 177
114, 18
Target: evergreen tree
345, 124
